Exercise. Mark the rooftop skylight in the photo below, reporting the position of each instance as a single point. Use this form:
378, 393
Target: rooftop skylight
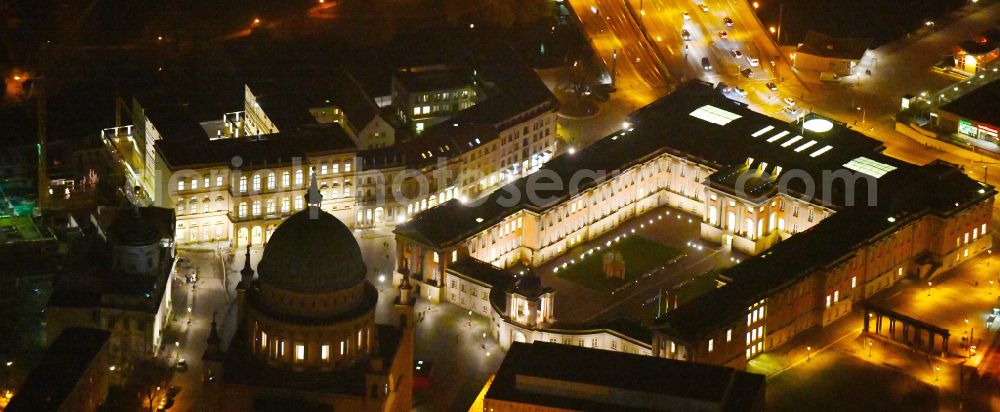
775, 138
715, 115
805, 146
791, 141
824, 149
869, 167
762, 131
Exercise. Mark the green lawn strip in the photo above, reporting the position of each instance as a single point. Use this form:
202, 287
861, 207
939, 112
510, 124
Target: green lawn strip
641, 255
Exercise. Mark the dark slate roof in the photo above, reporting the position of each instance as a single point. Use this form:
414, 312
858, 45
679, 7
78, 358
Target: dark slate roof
734, 390
979, 105
259, 151
819, 44
65, 362
132, 229
287, 96
434, 78
984, 43
177, 108
664, 126
312, 251
903, 195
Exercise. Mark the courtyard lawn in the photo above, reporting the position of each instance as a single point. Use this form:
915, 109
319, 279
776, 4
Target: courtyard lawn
641, 255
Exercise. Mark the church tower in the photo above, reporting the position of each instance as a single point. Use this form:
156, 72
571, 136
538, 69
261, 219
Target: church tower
404, 311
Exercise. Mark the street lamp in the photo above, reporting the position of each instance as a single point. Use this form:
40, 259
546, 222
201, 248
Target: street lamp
862, 113
869, 347
470, 318
772, 29
756, 6
929, 288
809, 350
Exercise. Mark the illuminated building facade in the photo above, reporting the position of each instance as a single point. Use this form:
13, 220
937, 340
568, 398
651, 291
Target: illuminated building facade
972, 115
519, 308
974, 55
760, 185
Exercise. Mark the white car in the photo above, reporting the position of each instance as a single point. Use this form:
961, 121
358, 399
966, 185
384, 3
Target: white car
789, 101
753, 61
703, 7
687, 17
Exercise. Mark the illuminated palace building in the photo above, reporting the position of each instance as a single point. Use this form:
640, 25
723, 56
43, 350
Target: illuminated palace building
830, 219
233, 179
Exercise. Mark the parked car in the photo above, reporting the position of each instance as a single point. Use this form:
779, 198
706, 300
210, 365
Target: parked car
686, 35
736, 54
772, 87
728, 21
791, 109
705, 64
829, 77
753, 61
422, 374
687, 17
740, 91
746, 72
723, 87
723, 35
703, 7
789, 101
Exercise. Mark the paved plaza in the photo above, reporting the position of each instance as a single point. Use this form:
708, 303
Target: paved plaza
847, 363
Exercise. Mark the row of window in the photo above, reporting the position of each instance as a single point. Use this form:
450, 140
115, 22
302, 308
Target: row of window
257, 179
193, 183
256, 206
276, 348
975, 235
